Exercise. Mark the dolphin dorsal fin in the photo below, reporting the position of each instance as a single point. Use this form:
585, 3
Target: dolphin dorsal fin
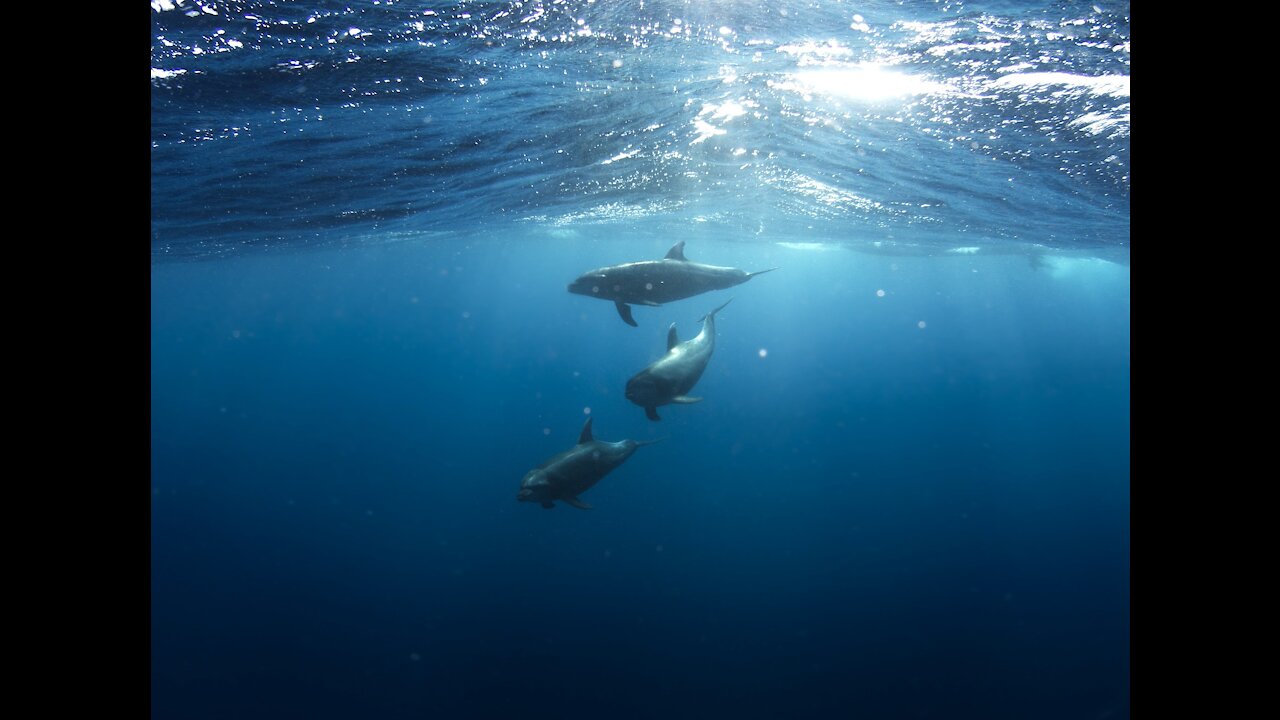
676, 252
672, 339
585, 436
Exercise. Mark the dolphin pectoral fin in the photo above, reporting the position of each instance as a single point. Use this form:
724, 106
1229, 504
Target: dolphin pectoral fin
576, 503
676, 252
652, 413
625, 311
672, 340
548, 504
686, 400
649, 303
760, 272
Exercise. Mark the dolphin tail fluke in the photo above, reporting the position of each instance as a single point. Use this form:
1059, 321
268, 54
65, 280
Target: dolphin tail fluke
652, 413
713, 312
624, 310
761, 272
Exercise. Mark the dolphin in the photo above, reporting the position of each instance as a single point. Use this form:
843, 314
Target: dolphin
574, 471
671, 377
653, 282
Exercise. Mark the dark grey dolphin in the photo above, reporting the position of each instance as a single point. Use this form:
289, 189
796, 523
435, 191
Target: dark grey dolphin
653, 282
574, 471
670, 378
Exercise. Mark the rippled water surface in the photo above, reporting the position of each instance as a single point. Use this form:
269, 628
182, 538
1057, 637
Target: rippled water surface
911, 123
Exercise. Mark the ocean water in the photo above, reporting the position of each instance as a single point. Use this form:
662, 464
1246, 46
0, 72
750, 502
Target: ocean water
906, 493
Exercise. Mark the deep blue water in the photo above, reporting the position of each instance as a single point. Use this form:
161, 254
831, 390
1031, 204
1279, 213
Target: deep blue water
906, 493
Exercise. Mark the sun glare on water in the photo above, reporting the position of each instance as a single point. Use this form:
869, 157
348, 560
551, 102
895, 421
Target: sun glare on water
866, 82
